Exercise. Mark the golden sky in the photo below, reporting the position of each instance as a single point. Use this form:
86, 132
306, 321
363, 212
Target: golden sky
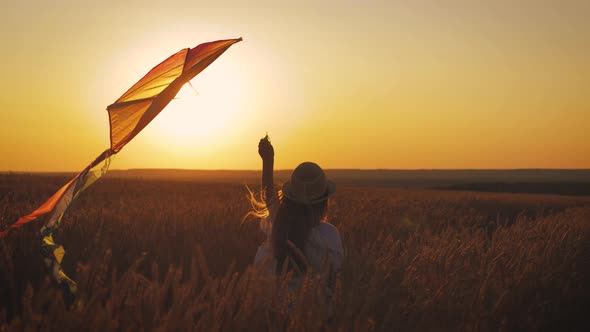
347, 84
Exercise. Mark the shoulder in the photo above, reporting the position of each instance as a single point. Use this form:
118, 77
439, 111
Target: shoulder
328, 229
325, 238
330, 236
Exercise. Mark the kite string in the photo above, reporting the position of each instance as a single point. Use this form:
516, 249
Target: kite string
192, 87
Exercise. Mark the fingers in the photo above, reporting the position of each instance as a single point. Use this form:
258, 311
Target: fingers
265, 150
264, 144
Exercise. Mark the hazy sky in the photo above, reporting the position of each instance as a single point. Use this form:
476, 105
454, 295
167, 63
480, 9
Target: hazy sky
347, 84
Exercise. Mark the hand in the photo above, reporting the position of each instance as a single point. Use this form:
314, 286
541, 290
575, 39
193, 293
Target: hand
265, 149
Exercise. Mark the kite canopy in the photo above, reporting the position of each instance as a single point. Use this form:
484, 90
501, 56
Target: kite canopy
145, 100
134, 110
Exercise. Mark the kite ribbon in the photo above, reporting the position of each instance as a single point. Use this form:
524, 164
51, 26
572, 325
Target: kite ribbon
128, 115
53, 253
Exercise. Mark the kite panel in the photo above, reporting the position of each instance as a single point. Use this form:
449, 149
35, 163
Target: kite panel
124, 119
157, 79
206, 50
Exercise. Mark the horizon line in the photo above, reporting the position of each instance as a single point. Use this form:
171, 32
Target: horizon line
289, 169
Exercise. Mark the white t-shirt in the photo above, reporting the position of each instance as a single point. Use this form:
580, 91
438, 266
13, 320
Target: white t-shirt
323, 243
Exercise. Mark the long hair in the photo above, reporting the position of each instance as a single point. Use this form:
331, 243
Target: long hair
290, 228
290, 231
259, 209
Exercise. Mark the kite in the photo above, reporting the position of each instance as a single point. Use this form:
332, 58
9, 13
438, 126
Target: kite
128, 115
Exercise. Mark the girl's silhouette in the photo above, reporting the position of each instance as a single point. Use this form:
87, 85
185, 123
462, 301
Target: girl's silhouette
294, 219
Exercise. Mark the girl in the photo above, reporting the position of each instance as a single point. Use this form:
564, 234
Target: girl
298, 237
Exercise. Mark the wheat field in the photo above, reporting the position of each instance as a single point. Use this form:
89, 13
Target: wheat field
173, 256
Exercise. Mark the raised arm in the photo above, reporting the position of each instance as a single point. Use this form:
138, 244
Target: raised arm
266, 152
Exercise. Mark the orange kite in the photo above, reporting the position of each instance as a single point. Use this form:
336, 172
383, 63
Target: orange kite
134, 110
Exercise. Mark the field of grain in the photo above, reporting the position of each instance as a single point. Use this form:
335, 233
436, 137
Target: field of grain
169, 255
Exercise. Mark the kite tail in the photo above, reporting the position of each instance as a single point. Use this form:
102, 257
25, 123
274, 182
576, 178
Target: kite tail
45, 208
56, 202
53, 253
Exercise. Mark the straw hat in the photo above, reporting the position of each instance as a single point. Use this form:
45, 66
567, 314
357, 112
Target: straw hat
308, 184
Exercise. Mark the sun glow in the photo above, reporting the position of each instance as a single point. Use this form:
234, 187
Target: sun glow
204, 112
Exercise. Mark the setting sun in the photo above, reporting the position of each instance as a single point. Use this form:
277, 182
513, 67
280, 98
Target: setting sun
205, 112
